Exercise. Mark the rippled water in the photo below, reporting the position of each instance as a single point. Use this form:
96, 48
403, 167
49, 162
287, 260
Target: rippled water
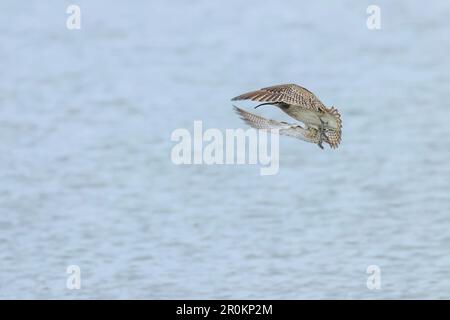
86, 177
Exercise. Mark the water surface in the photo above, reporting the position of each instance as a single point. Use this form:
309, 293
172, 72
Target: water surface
86, 177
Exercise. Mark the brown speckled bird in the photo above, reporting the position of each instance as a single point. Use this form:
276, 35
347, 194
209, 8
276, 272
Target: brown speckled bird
302, 105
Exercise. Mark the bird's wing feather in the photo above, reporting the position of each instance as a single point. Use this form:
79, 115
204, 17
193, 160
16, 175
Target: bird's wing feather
333, 137
291, 94
292, 130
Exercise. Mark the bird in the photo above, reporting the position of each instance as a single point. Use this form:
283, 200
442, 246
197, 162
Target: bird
302, 105
288, 129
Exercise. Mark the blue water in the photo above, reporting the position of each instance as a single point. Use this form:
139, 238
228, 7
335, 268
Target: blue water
86, 177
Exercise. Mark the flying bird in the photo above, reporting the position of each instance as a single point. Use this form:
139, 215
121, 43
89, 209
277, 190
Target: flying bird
302, 105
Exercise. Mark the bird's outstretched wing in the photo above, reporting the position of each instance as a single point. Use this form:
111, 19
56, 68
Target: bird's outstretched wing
291, 94
292, 130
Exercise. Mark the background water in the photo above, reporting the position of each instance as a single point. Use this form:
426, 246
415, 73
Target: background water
86, 177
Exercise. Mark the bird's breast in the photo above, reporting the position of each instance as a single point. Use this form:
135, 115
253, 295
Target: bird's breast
306, 116
310, 117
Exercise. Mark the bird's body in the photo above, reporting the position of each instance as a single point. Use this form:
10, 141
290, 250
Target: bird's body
302, 105
311, 117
